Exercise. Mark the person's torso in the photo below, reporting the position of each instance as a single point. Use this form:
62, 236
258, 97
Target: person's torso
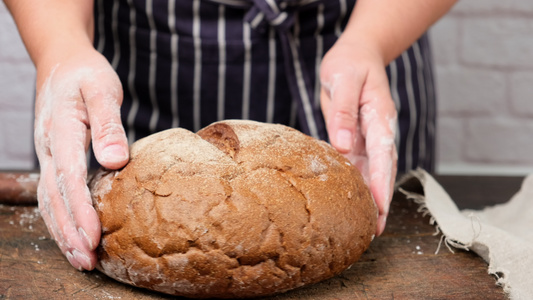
189, 63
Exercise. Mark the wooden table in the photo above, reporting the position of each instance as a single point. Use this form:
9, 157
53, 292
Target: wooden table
400, 264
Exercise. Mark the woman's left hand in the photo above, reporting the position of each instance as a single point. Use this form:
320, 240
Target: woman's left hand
361, 117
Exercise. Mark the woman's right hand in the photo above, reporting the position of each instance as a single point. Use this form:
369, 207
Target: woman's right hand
78, 100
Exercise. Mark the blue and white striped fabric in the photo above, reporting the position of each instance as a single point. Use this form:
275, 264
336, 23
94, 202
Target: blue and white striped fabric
189, 63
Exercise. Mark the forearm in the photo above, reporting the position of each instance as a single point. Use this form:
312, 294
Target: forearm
52, 29
391, 26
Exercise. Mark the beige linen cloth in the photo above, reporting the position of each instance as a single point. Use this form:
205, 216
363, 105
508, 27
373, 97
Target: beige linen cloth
502, 235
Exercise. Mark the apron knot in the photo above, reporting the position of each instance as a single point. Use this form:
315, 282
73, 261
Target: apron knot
278, 14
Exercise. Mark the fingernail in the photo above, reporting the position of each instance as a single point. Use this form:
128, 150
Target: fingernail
83, 259
73, 261
86, 238
113, 153
344, 139
383, 224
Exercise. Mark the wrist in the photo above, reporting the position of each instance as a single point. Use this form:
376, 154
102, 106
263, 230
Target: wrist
58, 52
389, 27
52, 30
360, 42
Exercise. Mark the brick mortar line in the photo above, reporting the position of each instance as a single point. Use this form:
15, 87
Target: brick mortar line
496, 14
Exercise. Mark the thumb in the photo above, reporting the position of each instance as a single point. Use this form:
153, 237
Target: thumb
343, 110
103, 98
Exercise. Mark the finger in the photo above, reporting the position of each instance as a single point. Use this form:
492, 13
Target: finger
60, 224
378, 122
103, 98
342, 112
357, 155
67, 147
57, 219
51, 203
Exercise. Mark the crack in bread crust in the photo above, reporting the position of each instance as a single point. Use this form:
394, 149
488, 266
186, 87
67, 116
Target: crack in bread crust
240, 209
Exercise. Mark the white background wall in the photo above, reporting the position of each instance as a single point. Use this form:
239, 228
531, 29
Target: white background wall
16, 97
483, 50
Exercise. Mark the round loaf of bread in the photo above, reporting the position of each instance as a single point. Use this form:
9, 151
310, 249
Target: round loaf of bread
240, 209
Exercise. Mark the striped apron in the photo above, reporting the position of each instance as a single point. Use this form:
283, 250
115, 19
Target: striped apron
189, 63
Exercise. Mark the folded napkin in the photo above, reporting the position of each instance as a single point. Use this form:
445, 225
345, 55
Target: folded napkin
502, 234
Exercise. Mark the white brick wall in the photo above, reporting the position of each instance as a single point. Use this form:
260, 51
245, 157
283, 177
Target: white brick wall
483, 51
17, 77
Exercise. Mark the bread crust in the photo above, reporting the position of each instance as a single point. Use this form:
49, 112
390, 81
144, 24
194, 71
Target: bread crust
240, 209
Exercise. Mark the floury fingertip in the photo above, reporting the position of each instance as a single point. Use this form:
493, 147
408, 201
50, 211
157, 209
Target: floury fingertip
73, 261
82, 259
344, 139
113, 154
86, 239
